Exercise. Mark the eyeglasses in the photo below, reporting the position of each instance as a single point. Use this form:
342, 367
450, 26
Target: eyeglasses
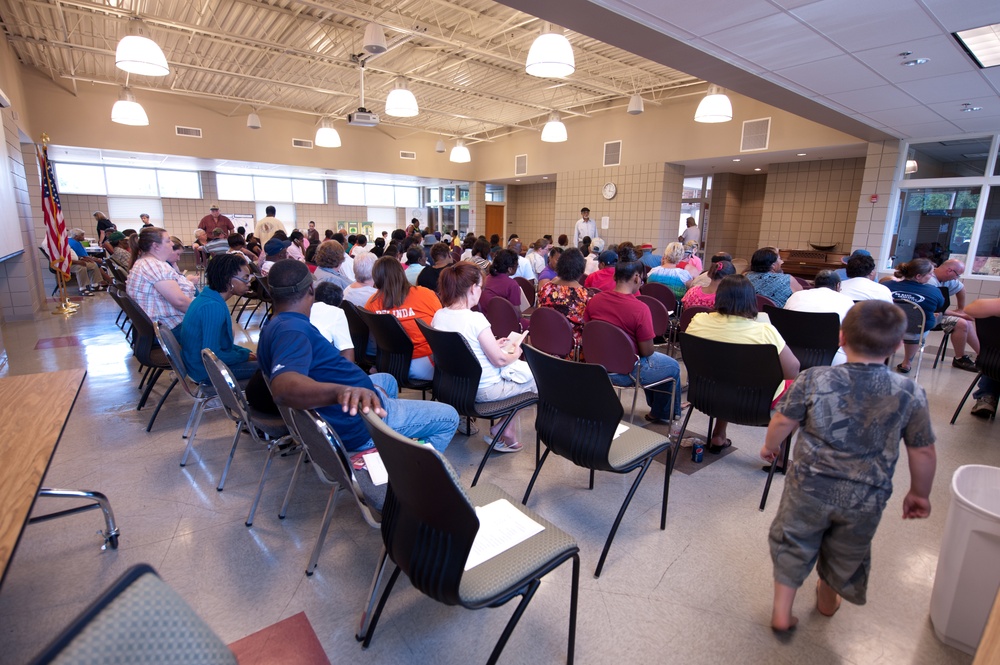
245, 280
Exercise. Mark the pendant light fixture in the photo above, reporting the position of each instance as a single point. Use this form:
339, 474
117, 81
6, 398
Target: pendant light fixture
253, 120
137, 53
127, 111
554, 130
714, 107
401, 103
460, 153
374, 39
550, 56
326, 135
635, 106
439, 146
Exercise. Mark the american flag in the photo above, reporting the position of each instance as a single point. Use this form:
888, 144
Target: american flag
55, 226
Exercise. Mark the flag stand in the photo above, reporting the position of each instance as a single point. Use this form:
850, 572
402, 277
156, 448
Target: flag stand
65, 306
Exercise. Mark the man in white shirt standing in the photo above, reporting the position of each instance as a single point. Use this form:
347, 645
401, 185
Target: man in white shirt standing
585, 226
860, 283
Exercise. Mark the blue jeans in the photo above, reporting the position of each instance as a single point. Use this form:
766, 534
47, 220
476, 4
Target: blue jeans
987, 387
433, 422
654, 368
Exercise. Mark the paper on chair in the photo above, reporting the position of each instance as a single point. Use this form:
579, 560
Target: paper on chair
376, 469
621, 429
501, 527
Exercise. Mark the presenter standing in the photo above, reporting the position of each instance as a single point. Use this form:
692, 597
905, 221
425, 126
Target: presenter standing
585, 226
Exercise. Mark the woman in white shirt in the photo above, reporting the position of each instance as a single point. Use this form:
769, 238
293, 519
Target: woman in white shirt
460, 287
330, 320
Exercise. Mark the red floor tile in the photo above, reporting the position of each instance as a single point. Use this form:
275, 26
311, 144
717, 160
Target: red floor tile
57, 342
289, 642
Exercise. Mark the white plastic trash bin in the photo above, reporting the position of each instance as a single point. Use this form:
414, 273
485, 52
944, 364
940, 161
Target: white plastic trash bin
968, 570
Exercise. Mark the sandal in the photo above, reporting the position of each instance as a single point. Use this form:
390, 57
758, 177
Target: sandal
715, 450
903, 370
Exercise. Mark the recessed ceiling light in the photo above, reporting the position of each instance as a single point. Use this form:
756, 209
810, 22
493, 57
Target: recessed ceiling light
545, 177
517, 180
982, 43
969, 108
736, 160
757, 169
800, 154
915, 62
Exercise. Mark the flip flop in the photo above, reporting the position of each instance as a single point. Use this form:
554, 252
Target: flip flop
715, 450
903, 370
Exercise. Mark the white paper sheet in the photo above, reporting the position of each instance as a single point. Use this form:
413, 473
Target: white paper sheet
621, 429
373, 461
501, 527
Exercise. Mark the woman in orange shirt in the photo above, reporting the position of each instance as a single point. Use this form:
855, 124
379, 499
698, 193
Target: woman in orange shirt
396, 296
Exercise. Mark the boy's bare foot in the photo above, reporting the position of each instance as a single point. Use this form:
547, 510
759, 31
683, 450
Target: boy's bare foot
827, 600
784, 625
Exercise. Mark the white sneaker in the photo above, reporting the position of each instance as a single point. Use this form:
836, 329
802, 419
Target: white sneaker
501, 446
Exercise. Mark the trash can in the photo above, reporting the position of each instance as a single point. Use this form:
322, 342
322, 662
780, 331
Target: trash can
968, 570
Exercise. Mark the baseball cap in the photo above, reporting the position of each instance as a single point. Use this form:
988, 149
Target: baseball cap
117, 236
857, 252
597, 245
214, 206
274, 246
608, 258
644, 246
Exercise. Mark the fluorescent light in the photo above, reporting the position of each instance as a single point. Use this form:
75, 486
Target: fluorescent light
554, 130
326, 135
374, 39
460, 153
127, 111
714, 107
983, 44
635, 106
253, 120
401, 103
137, 53
550, 56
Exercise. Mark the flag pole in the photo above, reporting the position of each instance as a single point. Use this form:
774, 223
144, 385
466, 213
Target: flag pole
55, 231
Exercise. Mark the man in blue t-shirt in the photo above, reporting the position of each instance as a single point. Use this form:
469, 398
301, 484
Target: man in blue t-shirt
86, 268
308, 372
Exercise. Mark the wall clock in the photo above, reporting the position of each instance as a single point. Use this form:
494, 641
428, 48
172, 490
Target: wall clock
609, 190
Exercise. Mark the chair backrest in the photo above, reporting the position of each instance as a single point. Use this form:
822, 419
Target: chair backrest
143, 334
118, 271
503, 317
172, 349
576, 424
527, 288
551, 332
395, 348
428, 523
741, 265
916, 320
48, 260
138, 615
661, 317
813, 337
687, 314
946, 294
661, 292
456, 370
230, 394
764, 301
731, 382
607, 345
988, 360
359, 330
331, 457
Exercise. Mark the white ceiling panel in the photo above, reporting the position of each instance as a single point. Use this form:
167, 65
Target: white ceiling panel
756, 42
700, 18
953, 110
945, 55
880, 98
955, 16
974, 123
956, 87
942, 128
838, 74
910, 116
859, 24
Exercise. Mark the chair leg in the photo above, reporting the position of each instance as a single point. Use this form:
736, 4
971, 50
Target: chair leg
194, 420
383, 563
232, 453
489, 450
529, 593
680, 437
635, 395
621, 513
668, 467
378, 609
534, 476
327, 517
574, 592
786, 444
100, 501
150, 382
272, 448
591, 479
156, 411
145, 375
299, 461
967, 393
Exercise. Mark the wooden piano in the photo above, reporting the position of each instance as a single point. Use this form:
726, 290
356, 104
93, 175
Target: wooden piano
806, 263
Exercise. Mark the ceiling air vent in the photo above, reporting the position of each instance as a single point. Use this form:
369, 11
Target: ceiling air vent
302, 143
407, 154
755, 134
191, 132
521, 165
613, 153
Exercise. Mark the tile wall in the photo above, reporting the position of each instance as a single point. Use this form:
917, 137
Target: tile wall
21, 292
813, 201
751, 210
531, 210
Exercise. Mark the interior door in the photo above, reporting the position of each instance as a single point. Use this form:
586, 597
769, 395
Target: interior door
494, 220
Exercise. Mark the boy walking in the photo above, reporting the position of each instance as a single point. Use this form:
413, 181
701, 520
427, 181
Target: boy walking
852, 417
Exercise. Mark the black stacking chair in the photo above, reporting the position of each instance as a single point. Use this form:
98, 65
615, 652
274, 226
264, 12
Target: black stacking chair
580, 425
395, 349
246, 418
813, 338
742, 396
988, 360
456, 381
359, 335
429, 525
916, 325
943, 349
146, 350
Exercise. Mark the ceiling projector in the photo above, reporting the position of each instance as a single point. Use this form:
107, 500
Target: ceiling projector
362, 118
